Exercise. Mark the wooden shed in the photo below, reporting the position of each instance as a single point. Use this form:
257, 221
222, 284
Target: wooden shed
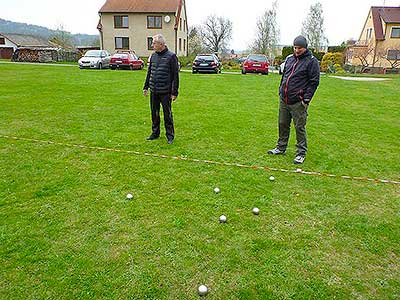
28, 48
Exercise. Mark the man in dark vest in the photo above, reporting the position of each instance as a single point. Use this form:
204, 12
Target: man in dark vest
163, 81
299, 82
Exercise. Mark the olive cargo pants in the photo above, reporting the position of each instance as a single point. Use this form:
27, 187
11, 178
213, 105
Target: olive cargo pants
299, 114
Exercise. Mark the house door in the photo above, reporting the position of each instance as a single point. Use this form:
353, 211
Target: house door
6, 53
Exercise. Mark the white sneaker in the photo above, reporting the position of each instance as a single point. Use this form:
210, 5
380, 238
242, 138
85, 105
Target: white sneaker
276, 151
299, 159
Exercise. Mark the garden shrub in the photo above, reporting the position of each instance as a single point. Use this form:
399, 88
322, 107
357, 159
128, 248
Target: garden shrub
332, 62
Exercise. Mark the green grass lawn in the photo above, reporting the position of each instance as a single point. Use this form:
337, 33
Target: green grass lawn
68, 232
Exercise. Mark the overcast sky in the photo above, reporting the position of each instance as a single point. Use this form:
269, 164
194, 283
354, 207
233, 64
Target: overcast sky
344, 19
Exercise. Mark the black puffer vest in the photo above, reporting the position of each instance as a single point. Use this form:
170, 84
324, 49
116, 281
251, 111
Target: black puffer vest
161, 75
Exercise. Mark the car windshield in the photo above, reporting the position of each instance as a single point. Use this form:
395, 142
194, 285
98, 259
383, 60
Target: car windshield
257, 58
93, 53
120, 55
205, 58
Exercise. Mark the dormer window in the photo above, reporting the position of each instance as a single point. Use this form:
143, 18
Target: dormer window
395, 32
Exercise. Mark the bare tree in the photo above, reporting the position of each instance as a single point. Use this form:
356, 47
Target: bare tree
313, 28
366, 55
267, 35
217, 33
195, 41
62, 37
392, 56
95, 42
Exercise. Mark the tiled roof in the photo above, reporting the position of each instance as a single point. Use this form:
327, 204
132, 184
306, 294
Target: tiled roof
22, 40
390, 14
387, 14
140, 6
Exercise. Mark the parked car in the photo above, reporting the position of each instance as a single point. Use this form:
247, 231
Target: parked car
206, 63
241, 60
282, 65
126, 60
95, 59
255, 63
281, 68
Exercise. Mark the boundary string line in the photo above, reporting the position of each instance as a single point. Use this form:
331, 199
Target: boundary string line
211, 162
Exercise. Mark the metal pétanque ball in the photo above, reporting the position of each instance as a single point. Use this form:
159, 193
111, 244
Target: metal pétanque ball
203, 290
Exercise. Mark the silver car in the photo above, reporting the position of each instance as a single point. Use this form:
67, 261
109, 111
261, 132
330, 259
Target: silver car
95, 59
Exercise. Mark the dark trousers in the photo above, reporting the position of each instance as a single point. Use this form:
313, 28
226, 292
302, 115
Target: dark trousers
299, 114
165, 100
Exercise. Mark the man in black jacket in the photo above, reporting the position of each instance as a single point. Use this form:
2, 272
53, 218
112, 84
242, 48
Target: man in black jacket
163, 80
299, 82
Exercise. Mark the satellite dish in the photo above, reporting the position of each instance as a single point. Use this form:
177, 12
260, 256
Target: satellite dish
167, 19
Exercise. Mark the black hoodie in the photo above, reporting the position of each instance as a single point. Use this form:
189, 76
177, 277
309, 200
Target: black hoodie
300, 78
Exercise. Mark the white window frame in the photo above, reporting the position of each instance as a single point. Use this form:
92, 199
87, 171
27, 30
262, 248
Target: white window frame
391, 34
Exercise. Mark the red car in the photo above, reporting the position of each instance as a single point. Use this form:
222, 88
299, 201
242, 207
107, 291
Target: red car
126, 60
255, 63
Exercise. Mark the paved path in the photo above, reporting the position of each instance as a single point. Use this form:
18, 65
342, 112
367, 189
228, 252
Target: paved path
360, 78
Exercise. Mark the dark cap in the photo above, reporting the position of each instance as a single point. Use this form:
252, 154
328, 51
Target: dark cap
300, 41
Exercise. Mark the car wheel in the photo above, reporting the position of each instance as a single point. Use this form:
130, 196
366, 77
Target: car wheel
194, 72
141, 67
243, 72
130, 67
112, 68
265, 73
100, 66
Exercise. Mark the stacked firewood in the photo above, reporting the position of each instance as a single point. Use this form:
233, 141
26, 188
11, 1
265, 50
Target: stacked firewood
36, 55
